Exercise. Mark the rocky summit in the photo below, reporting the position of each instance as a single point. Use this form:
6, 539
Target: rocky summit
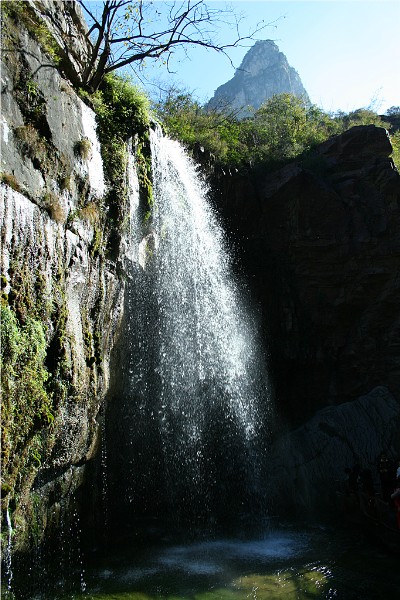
264, 72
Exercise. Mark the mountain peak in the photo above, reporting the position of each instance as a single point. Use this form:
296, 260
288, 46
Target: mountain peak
264, 72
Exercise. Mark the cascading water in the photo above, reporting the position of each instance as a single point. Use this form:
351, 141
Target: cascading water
7, 557
192, 415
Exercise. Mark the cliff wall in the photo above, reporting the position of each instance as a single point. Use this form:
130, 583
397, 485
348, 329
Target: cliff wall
319, 244
62, 299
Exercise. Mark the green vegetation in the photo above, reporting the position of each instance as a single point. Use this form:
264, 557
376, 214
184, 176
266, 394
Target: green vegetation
393, 116
283, 128
187, 121
27, 403
83, 148
123, 112
121, 107
21, 13
395, 139
35, 376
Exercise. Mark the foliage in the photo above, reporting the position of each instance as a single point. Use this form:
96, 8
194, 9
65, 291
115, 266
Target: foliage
395, 140
122, 112
121, 106
393, 116
361, 116
27, 404
283, 128
187, 121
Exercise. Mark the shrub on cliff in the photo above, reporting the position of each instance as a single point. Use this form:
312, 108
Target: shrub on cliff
122, 112
395, 140
187, 121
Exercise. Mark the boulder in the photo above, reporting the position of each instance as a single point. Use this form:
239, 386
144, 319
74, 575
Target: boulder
307, 464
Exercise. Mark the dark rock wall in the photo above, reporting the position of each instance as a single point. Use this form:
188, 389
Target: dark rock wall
306, 464
320, 244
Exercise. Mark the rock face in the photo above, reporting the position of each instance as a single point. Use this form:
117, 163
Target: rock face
263, 73
313, 457
60, 295
319, 242
321, 246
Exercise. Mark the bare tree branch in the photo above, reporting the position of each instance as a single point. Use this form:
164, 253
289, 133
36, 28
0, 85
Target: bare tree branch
128, 32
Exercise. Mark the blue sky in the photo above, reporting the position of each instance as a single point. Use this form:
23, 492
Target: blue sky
346, 53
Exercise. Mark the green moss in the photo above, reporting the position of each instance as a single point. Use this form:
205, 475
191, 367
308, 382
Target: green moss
96, 245
36, 518
22, 13
395, 141
27, 403
143, 162
122, 112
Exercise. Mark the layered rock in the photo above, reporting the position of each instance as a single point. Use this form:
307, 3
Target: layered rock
56, 283
263, 73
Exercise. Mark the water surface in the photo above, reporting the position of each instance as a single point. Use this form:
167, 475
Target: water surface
290, 562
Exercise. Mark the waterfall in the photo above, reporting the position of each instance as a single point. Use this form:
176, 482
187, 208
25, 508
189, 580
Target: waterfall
8, 551
195, 391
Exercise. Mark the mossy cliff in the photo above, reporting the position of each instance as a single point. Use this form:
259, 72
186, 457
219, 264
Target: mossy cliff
64, 216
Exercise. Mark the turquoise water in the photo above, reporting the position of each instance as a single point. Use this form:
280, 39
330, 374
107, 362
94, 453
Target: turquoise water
290, 562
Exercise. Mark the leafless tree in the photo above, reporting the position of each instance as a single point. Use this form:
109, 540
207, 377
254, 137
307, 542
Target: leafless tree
130, 32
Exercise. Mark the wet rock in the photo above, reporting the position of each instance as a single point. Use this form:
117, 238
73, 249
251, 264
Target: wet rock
50, 269
306, 464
